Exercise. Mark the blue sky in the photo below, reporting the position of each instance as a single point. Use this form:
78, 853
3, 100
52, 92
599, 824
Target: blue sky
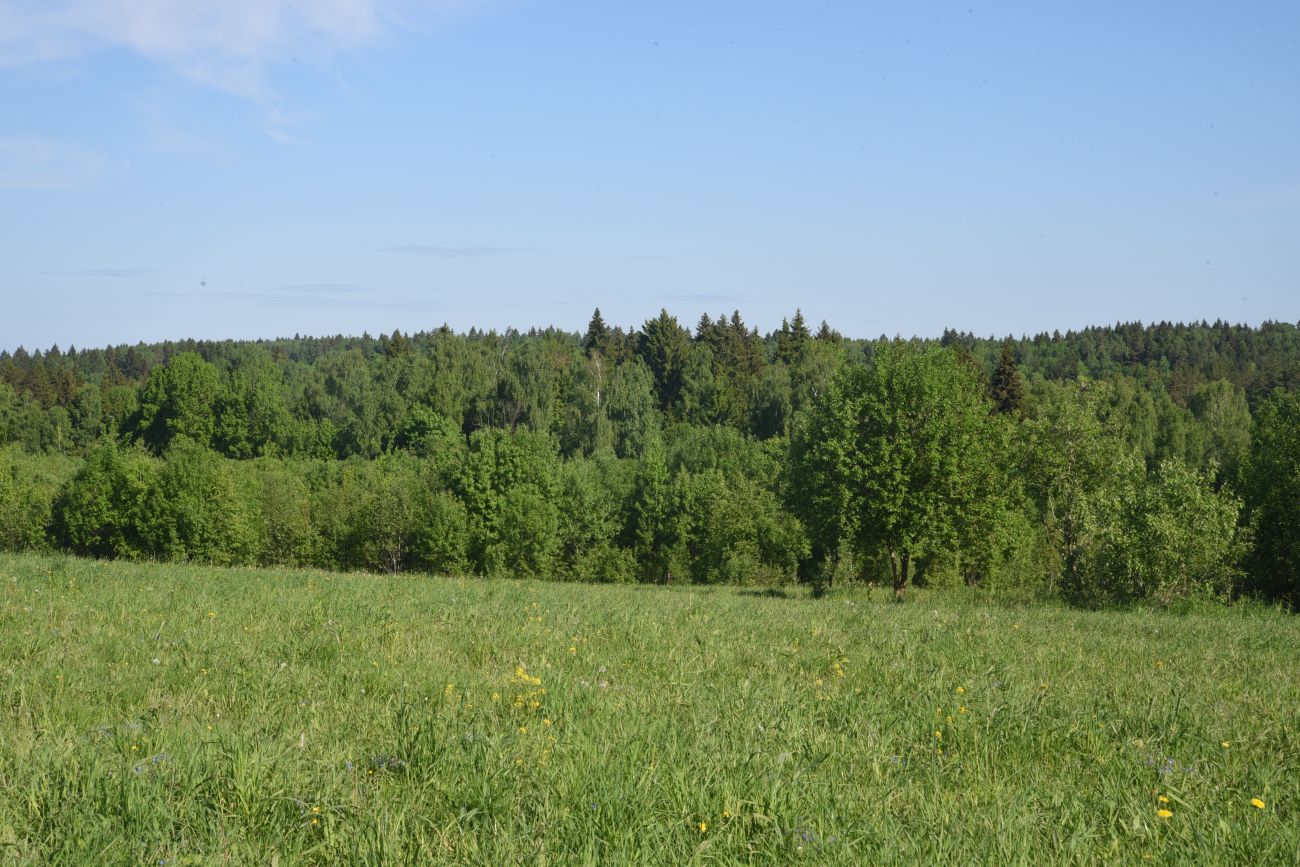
258, 168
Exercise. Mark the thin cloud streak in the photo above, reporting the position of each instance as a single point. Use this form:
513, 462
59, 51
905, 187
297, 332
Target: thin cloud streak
334, 296
453, 252
103, 273
35, 163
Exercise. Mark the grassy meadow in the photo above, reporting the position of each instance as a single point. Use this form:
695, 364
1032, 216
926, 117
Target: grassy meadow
191, 715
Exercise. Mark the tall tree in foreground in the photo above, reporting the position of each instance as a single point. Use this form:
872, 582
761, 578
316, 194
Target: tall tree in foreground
1272, 488
889, 459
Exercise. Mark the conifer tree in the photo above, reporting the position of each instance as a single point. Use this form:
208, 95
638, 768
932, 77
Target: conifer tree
828, 334
597, 333
792, 337
1007, 390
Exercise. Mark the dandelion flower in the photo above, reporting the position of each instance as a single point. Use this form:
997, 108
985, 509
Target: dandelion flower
1164, 799
1163, 813
961, 690
704, 827
1224, 744
1257, 803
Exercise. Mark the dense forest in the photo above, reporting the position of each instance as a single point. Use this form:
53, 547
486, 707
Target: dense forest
1110, 464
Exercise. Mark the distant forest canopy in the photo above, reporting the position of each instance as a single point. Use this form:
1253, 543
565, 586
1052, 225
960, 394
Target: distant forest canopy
670, 453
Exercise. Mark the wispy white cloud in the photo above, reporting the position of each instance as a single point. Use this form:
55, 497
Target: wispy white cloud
219, 42
34, 163
228, 45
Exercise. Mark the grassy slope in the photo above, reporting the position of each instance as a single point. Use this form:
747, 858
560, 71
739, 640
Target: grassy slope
202, 715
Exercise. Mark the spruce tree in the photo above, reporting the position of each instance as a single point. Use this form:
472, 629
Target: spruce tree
1007, 388
597, 333
791, 339
828, 334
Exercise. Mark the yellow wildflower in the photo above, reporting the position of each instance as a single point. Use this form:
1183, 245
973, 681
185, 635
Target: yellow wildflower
961, 690
1164, 799
1163, 813
704, 827
1257, 803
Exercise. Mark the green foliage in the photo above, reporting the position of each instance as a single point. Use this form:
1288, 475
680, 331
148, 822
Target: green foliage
654, 529
101, 512
1272, 492
180, 400
1223, 422
426, 432
356, 452
196, 511
288, 537
1079, 471
891, 457
735, 532
503, 477
527, 538
663, 346
592, 498
632, 413
1170, 536
441, 537
1006, 388
27, 491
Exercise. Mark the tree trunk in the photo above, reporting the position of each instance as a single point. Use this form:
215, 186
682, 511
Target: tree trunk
898, 566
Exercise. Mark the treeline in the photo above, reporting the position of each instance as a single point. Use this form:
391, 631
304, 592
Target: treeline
1113, 463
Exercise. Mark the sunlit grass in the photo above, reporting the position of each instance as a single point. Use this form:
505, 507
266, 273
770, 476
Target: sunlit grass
198, 715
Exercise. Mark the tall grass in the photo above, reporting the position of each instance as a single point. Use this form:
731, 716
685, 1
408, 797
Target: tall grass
192, 715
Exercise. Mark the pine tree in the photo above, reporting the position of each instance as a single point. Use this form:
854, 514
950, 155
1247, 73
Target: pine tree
1007, 388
